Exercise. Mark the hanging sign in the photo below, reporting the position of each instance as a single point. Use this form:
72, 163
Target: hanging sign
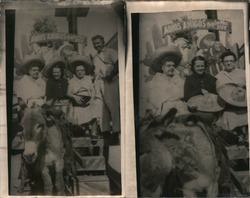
45, 37
194, 24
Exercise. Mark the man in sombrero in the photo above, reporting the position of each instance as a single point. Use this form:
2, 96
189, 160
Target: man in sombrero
30, 89
166, 89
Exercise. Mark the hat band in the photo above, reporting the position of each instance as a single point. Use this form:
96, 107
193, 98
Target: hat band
238, 95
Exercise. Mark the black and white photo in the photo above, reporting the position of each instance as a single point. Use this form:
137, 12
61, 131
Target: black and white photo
64, 124
191, 103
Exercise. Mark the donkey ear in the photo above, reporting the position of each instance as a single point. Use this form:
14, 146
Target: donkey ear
48, 104
148, 117
193, 119
169, 117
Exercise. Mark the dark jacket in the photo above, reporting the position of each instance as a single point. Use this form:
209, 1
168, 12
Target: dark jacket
56, 88
194, 83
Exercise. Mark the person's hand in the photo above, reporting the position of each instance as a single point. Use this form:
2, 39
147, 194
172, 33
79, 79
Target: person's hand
172, 99
78, 99
21, 103
193, 109
242, 85
186, 71
101, 75
204, 91
90, 102
148, 77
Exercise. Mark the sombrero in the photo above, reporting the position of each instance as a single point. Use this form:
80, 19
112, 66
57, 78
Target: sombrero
233, 94
202, 37
32, 59
47, 71
207, 103
77, 60
161, 53
64, 46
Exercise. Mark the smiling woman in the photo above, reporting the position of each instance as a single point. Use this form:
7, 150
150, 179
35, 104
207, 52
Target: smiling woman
200, 82
56, 86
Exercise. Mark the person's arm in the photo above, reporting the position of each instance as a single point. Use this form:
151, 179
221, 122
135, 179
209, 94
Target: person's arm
70, 93
113, 55
65, 85
213, 85
49, 90
91, 88
97, 68
21, 88
114, 59
190, 89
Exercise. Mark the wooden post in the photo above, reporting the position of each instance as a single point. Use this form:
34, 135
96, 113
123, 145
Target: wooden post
212, 14
71, 14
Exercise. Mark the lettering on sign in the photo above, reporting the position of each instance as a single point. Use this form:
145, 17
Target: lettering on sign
39, 38
195, 24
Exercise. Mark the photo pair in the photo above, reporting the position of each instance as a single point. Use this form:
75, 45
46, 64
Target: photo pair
124, 98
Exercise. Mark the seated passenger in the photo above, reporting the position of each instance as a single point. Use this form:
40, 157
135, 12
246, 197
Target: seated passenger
56, 86
30, 89
231, 86
166, 89
199, 82
230, 74
81, 90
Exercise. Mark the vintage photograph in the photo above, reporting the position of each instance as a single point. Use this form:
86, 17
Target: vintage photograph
64, 110
191, 103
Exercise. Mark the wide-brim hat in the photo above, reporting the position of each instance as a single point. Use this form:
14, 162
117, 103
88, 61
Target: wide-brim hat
202, 37
161, 53
64, 46
207, 103
77, 60
32, 59
233, 94
47, 71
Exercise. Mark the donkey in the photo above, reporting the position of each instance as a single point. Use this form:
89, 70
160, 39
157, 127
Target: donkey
44, 150
177, 153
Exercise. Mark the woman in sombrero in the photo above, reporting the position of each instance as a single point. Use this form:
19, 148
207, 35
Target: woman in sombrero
166, 89
30, 89
56, 86
81, 90
231, 86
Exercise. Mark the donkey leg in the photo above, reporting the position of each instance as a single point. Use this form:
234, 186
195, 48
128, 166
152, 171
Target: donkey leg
213, 190
48, 186
59, 181
189, 189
